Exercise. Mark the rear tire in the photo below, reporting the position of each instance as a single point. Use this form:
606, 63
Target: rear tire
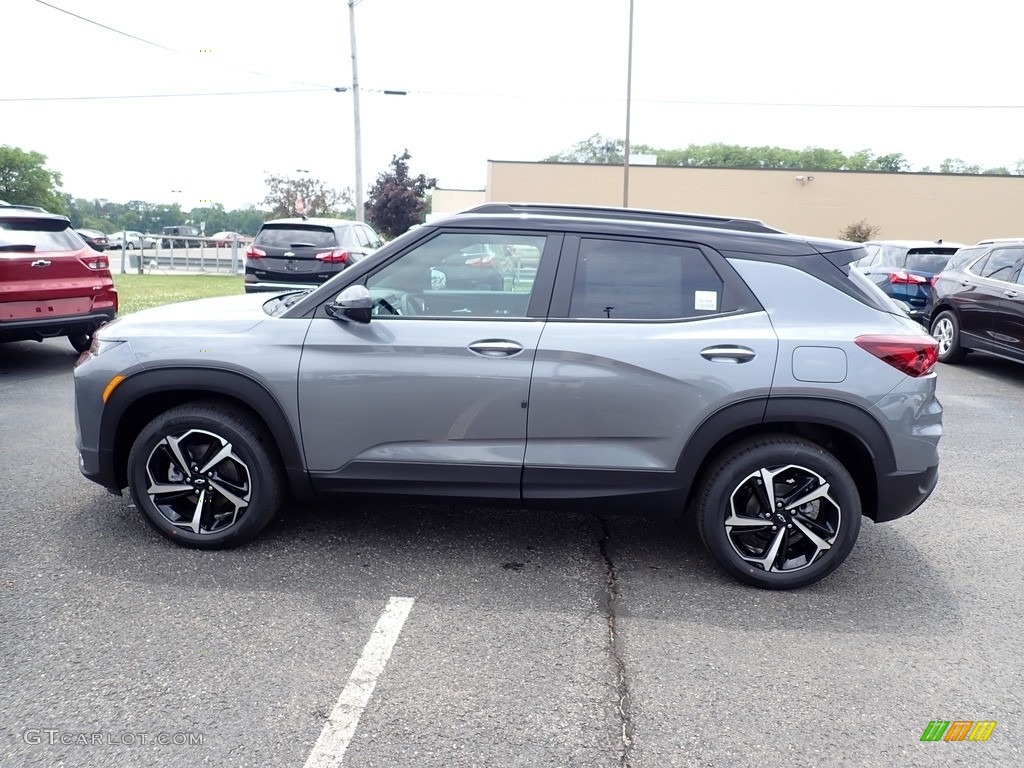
946, 330
206, 475
778, 512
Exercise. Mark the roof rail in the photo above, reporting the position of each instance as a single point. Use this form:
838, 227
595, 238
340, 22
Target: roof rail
629, 214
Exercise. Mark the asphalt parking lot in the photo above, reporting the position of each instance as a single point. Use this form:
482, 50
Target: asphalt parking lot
531, 640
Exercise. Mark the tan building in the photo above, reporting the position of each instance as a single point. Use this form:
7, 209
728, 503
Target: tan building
954, 207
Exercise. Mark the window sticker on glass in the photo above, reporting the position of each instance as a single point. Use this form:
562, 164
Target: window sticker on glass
705, 300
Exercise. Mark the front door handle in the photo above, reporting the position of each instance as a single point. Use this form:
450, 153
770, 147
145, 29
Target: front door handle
1010, 294
727, 353
496, 348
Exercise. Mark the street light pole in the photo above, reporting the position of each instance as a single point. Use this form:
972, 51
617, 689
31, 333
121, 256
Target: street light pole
629, 94
355, 111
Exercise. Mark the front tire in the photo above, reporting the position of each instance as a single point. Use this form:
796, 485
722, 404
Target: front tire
778, 512
81, 341
946, 330
206, 475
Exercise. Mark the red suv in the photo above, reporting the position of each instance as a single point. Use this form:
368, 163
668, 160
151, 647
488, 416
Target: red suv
51, 282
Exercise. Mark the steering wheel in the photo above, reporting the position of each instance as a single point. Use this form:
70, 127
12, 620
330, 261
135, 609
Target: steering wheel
385, 307
399, 304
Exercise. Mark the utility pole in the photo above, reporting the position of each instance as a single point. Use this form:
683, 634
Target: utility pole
629, 95
355, 111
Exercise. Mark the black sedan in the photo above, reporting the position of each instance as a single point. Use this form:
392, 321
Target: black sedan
94, 239
980, 305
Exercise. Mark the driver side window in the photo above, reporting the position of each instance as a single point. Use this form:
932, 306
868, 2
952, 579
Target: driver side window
464, 274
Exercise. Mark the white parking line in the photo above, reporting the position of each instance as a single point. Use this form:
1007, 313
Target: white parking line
341, 725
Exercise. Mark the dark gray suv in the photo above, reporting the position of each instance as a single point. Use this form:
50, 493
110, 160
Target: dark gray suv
305, 253
651, 363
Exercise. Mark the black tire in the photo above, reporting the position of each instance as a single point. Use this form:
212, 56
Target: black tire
800, 533
81, 341
250, 472
945, 329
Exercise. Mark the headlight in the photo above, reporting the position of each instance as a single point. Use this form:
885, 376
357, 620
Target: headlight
99, 346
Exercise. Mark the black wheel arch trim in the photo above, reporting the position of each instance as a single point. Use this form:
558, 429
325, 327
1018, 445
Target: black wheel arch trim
232, 384
758, 413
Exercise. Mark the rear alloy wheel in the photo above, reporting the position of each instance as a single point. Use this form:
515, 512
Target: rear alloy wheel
205, 475
946, 330
779, 512
81, 341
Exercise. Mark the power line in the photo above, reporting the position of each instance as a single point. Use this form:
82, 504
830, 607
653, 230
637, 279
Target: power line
467, 94
164, 95
162, 47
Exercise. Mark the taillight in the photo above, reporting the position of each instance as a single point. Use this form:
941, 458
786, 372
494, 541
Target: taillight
96, 262
902, 277
252, 252
333, 257
933, 281
913, 355
480, 261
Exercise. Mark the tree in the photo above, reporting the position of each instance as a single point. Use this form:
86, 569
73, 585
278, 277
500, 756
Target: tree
859, 231
25, 180
318, 198
398, 201
596, 149
600, 149
956, 165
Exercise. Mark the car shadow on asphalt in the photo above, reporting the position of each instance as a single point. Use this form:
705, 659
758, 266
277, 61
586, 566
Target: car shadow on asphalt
31, 358
535, 560
1006, 371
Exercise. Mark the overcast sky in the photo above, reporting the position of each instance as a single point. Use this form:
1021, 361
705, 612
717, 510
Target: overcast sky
489, 80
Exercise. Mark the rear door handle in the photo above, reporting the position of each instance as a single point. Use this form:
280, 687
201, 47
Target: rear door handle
496, 347
1010, 294
727, 353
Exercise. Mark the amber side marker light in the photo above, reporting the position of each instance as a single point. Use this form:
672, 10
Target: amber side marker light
111, 387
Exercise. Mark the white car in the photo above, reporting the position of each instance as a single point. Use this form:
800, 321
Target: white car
132, 240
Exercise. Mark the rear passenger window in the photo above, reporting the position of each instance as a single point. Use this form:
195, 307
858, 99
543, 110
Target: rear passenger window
628, 280
1002, 264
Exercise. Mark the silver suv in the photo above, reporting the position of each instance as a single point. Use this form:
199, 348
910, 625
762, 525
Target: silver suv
631, 361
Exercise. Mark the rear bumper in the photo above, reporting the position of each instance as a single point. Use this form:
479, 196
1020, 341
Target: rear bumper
900, 493
37, 329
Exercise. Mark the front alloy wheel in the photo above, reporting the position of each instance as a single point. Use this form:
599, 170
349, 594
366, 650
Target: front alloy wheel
779, 512
206, 475
198, 482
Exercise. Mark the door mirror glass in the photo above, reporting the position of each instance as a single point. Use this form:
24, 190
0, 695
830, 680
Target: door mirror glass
353, 303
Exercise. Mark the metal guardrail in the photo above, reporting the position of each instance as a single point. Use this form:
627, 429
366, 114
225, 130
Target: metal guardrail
206, 258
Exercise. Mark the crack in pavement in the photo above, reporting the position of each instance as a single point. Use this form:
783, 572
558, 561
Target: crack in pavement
615, 646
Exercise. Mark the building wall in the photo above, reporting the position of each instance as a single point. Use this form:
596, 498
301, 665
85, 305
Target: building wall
954, 207
445, 202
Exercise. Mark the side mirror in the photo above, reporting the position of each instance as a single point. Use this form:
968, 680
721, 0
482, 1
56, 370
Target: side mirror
438, 279
352, 304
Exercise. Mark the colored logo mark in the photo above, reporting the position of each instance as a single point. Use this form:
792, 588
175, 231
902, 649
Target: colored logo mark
958, 730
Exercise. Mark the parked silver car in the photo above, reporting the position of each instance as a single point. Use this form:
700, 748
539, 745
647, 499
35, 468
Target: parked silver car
655, 362
131, 240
